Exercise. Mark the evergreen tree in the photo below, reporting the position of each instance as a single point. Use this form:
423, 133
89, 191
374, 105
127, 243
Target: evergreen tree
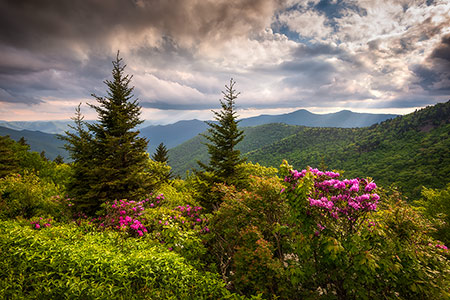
23, 142
161, 154
224, 135
109, 157
80, 145
42, 154
9, 162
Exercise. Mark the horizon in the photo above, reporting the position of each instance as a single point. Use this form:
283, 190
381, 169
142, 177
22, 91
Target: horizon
270, 113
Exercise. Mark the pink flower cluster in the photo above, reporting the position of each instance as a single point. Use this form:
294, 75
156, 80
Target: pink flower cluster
340, 198
125, 215
189, 217
439, 246
41, 223
295, 175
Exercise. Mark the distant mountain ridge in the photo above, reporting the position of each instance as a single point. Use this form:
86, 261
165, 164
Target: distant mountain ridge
38, 141
175, 134
342, 119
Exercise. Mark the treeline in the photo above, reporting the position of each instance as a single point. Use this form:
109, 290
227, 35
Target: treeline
115, 224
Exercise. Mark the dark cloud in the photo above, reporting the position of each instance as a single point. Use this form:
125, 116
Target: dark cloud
434, 76
41, 24
316, 50
11, 97
442, 51
72, 43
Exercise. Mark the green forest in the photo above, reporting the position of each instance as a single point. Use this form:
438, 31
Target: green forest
265, 212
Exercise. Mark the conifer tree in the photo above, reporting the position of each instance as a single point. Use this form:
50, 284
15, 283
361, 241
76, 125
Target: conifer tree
80, 145
109, 157
9, 162
23, 142
161, 154
223, 136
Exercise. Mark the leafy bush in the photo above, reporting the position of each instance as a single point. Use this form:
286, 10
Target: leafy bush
27, 196
436, 207
63, 262
248, 240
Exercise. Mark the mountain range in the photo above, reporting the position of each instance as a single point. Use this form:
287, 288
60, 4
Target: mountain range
38, 141
175, 134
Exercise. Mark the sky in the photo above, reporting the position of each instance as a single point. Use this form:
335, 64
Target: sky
380, 56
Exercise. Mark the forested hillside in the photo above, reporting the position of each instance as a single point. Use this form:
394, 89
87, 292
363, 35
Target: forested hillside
38, 141
410, 151
185, 156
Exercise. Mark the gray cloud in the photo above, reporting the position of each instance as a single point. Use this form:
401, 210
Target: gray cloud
42, 24
435, 75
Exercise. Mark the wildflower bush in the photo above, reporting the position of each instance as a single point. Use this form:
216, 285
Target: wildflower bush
39, 223
177, 228
346, 244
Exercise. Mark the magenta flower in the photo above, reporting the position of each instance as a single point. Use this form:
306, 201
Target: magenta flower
371, 186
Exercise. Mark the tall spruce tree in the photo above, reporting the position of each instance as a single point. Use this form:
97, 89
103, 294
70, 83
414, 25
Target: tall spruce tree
161, 154
9, 163
223, 136
109, 156
80, 145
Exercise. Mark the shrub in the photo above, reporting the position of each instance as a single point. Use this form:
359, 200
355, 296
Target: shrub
248, 239
27, 196
64, 262
436, 207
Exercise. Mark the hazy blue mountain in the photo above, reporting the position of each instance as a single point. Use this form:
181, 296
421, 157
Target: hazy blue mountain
55, 127
173, 134
43, 126
344, 119
38, 141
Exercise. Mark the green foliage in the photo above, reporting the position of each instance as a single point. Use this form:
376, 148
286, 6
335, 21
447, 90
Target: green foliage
248, 233
109, 157
25, 161
27, 196
223, 136
64, 262
436, 207
9, 162
155, 174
